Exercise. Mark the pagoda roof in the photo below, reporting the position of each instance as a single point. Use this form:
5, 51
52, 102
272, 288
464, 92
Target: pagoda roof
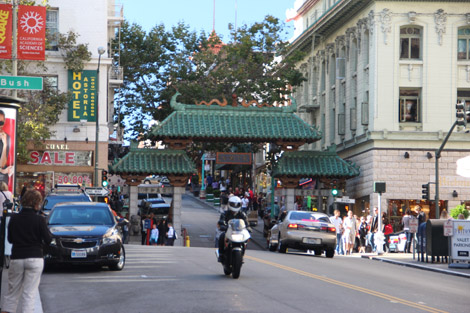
144, 161
314, 164
247, 123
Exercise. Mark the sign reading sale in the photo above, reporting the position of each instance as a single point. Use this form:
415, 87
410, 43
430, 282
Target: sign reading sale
31, 32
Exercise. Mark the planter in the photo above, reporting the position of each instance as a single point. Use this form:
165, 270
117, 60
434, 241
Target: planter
210, 197
216, 201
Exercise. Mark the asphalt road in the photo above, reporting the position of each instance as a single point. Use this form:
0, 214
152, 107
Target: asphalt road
179, 279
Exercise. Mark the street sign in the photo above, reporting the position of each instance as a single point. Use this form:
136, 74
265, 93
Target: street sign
345, 200
97, 191
21, 82
448, 228
413, 225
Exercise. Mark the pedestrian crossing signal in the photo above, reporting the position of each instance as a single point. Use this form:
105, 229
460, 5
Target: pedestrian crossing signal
104, 179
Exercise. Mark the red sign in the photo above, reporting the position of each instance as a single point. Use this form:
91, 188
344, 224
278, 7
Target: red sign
31, 32
63, 158
5, 31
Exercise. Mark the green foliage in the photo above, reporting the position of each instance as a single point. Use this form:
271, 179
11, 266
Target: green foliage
253, 64
74, 55
216, 193
209, 190
460, 209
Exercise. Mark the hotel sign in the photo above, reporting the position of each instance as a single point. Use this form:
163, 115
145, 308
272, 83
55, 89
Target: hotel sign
83, 86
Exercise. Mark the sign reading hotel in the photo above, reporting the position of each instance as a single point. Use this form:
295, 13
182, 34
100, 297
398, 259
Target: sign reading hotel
460, 241
60, 158
5, 31
83, 104
233, 158
31, 32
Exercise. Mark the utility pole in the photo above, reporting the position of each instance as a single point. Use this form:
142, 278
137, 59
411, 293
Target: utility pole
14, 53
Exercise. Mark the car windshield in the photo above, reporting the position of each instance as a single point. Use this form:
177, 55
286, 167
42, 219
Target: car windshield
79, 215
53, 200
306, 216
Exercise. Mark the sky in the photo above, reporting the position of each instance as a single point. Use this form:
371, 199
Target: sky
198, 14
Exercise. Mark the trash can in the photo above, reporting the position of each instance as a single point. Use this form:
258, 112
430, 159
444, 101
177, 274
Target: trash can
437, 245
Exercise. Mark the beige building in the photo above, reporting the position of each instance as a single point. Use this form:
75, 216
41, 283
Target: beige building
383, 80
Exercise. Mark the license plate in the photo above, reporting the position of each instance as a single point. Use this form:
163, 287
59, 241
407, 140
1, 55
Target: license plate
78, 254
315, 241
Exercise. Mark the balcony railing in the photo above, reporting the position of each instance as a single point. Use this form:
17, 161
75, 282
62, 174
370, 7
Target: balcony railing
116, 75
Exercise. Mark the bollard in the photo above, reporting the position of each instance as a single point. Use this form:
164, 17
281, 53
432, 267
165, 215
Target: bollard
187, 242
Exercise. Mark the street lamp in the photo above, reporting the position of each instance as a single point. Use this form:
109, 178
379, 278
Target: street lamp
101, 51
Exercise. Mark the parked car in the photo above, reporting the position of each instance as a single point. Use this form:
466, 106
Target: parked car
141, 197
85, 233
303, 231
64, 193
397, 242
160, 210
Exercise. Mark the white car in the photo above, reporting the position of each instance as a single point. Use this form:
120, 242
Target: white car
303, 230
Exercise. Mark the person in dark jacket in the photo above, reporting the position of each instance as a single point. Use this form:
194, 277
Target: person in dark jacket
28, 232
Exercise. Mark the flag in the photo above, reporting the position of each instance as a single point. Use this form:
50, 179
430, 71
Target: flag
6, 20
31, 32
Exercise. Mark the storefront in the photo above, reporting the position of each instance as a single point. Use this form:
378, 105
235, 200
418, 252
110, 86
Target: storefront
64, 163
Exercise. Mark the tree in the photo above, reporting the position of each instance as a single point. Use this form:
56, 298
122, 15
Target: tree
253, 65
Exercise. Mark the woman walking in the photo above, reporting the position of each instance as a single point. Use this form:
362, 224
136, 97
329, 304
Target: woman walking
27, 231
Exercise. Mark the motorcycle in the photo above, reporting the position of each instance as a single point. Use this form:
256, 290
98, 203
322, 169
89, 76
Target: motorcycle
236, 238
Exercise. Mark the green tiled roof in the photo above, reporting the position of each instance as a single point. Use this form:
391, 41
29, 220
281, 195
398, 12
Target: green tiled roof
314, 164
153, 161
201, 122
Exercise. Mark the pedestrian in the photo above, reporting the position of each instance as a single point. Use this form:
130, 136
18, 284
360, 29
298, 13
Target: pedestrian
374, 228
405, 221
5, 197
28, 232
223, 201
362, 235
388, 230
154, 235
245, 203
350, 229
338, 222
170, 235
162, 229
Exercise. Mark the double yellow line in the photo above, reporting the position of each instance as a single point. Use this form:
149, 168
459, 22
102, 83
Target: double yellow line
346, 285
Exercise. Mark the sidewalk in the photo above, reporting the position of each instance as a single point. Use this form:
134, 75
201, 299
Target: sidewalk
406, 259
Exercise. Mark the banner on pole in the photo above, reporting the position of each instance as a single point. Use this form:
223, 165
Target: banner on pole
31, 32
6, 20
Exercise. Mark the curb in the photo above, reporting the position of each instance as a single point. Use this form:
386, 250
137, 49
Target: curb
418, 266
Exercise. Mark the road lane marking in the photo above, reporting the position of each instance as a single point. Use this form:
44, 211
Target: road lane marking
350, 286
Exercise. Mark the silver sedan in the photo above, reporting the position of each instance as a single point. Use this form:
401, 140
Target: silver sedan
303, 231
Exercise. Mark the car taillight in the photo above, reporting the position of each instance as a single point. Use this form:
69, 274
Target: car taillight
292, 226
332, 229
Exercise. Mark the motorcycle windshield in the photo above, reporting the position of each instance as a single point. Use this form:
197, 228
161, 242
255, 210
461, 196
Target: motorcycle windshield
237, 225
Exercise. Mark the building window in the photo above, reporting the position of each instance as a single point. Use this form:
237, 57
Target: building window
52, 82
365, 49
353, 56
464, 44
410, 42
332, 71
365, 109
52, 30
410, 106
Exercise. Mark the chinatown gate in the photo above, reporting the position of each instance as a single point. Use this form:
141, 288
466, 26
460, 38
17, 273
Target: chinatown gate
240, 123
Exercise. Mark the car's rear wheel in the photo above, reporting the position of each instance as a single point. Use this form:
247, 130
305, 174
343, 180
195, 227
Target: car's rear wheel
330, 253
122, 261
272, 247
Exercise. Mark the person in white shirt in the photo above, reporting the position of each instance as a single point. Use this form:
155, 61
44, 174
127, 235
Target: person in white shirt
350, 230
338, 222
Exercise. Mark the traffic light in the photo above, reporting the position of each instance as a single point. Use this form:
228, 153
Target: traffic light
425, 191
104, 179
334, 189
461, 114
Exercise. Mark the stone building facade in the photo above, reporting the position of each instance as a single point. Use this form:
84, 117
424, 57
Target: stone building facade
383, 80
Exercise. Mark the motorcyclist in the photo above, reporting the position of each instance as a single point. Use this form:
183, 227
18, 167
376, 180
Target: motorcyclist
233, 212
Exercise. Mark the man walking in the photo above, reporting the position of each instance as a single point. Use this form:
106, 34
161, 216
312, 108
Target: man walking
338, 222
